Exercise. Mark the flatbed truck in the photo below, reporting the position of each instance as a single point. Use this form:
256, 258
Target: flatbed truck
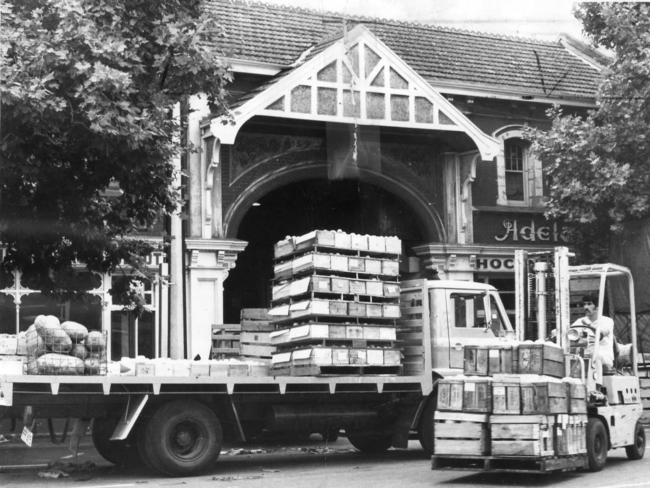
176, 425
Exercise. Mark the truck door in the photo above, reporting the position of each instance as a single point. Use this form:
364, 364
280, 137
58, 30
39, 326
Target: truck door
473, 317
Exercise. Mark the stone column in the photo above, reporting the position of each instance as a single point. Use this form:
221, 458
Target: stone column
209, 262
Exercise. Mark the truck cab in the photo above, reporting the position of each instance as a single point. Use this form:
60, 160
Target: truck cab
455, 314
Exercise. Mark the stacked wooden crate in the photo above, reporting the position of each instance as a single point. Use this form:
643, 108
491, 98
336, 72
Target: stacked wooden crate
225, 341
518, 395
256, 328
335, 300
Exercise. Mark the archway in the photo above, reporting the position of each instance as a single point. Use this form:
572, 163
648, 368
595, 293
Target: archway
300, 207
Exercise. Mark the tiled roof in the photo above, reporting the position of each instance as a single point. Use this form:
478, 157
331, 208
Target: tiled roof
279, 35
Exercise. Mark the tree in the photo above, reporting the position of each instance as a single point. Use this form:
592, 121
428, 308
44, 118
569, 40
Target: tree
87, 88
599, 165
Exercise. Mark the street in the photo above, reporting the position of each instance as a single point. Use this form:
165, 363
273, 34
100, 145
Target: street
310, 464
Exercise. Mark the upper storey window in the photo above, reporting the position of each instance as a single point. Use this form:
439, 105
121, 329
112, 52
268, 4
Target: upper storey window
519, 173
515, 169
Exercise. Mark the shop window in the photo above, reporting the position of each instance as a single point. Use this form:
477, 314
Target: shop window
519, 173
133, 315
21, 302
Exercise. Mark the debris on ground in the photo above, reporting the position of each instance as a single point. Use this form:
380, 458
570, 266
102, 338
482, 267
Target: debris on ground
241, 452
81, 471
237, 478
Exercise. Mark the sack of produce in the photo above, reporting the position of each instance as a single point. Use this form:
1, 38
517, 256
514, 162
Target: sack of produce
95, 365
95, 341
59, 364
79, 351
34, 343
56, 340
75, 330
44, 323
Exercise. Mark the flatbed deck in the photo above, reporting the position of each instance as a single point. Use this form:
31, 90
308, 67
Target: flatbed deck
156, 385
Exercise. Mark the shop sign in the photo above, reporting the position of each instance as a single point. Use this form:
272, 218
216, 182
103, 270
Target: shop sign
494, 264
508, 229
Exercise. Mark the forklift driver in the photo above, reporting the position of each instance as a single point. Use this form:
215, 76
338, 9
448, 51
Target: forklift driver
591, 321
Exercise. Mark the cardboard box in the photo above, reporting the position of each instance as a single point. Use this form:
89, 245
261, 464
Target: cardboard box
375, 288
340, 285
8, 344
359, 242
357, 287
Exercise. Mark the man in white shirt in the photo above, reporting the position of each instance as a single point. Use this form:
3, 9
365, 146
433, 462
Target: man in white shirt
602, 323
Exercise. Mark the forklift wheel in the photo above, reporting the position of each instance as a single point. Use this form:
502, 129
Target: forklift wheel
597, 444
637, 450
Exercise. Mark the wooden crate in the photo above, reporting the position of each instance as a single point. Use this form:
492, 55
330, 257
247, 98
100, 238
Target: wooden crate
500, 359
475, 360
544, 397
570, 434
477, 394
506, 395
577, 396
522, 435
542, 359
450, 394
225, 340
459, 433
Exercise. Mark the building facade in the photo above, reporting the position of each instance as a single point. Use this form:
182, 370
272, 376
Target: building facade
366, 125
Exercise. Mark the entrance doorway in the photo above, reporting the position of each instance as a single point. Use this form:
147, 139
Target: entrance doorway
301, 207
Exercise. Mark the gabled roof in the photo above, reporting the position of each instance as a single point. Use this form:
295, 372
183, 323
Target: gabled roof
444, 57
354, 78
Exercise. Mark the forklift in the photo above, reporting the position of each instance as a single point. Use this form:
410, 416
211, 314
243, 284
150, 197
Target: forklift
549, 293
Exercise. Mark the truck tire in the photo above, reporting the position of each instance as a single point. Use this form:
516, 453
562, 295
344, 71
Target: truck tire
637, 450
121, 453
181, 438
597, 444
370, 442
425, 427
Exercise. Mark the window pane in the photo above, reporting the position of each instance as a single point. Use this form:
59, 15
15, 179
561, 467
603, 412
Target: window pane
7, 314
122, 335
514, 185
469, 310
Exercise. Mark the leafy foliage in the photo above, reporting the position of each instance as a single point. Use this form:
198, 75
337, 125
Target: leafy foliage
599, 166
87, 88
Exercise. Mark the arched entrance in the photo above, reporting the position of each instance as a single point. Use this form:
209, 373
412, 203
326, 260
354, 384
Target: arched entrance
297, 208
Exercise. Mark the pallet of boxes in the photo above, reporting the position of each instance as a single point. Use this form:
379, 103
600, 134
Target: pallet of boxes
512, 409
335, 304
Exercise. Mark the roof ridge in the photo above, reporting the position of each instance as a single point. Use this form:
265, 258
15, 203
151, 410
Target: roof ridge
384, 20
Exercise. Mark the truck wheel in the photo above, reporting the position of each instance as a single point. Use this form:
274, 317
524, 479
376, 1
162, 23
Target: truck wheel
182, 438
122, 453
370, 442
596, 444
425, 428
637, 450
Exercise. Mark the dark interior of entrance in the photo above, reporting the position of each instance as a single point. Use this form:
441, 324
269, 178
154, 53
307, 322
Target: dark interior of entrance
304, 206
